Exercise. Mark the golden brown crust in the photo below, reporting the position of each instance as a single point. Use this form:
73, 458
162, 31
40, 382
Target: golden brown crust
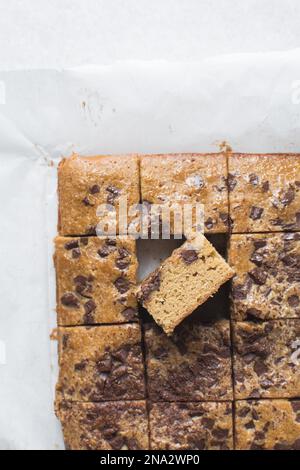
96, 280
264, 192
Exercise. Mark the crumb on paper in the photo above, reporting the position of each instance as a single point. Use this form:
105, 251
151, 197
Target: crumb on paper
224, 146
53, 334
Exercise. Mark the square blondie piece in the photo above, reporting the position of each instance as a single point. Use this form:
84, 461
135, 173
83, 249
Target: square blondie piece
188, 178
267, 425
267, 281
118, 425
264, 192
191, 426
85, 183
193, 273
96, 280
266, 359
193, 365
100, 363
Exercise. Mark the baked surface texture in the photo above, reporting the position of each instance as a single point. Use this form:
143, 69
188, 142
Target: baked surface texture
115, 425
192, 274
84, 183
100, 363
267, 425
96, 280
192, 365
267, 281
266, 359
188, 178
191, 426
264, 192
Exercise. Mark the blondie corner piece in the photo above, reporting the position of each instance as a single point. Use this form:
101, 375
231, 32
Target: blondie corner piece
100, 363
191, 426
86, 182
189, 178
266, 359
267, 425
192, 274
116, 425
267, 281
193, 365
264, 192
96, 280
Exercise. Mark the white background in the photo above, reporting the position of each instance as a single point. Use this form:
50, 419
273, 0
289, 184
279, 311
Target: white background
64, 33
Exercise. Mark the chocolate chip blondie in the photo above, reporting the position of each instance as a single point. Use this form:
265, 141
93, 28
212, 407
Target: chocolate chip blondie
267, 281
96, 280
186, 279
266, 359
188, 178
115, 425
192, 365
264, 192
100, 363
85, 183
191, 426
267, 425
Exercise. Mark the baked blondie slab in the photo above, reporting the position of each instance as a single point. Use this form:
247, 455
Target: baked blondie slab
267, 425
267, 281
188, 178
264, 192
96, 280
192, 274
266, 359
193, 365
84, 183
118, 425
191, 426
100, 363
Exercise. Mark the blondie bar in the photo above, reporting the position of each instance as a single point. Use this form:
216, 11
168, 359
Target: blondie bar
85, 183
264, 192
100, 363
119, 425
186, 279
191, 426
96, 280
266, 359
267, 425
267, 281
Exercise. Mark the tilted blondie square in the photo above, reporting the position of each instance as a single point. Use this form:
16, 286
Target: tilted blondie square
188, 178
267, 281
119, 425
85, 183
100, 363
96, 280
264, 192
266, 359
191, 426
193, 365
267, 425
192, 274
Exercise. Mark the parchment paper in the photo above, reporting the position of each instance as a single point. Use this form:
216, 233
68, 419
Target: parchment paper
250, 101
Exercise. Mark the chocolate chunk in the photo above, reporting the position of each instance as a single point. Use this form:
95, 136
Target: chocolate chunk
256, 213
76, 253
288, 197
121, 354
130, 314
80, 365
89, 307
80, 280
122, 264
253, 178
220, 433
113, 194
253, 314
250, 425
189, 256
152, 284
95, 189
122, 285
103, 252
231, 182
256, 258
265, 186
296, 406
209, 223
244, 411
260, 368
259, 244
258, 275
69, 300
104, 365
123, 253
72, 244
239, 292
293, 301
111, 242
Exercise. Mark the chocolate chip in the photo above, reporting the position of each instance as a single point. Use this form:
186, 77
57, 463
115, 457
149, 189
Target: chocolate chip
259, 244
239, 292
243, 411
122, 285
253, 178
69, 300
250, 425
265, 186
103, 252
256, 258
113, 194
253, 314
104, 365
89, 307
209, 223
260, 368
121, 354
225, 219
122, 264
189, 256
123, 252
130, 314
220, 433
293, 300
72, 244
288, 197
95, 189
111, 242
231, 182
295, 406
258, 275
76, 253
152, 284
80, 280
256, 212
